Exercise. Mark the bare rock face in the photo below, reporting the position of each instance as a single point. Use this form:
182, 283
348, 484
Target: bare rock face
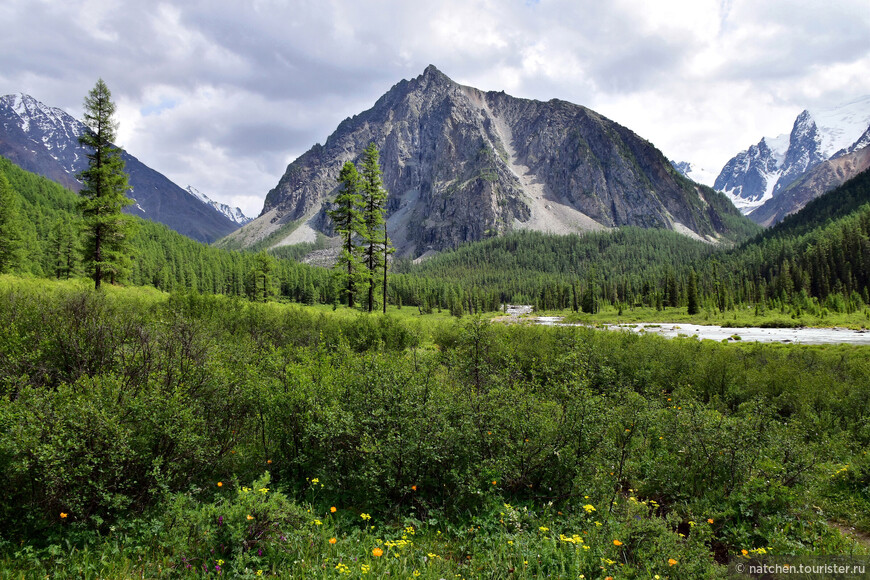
461, 164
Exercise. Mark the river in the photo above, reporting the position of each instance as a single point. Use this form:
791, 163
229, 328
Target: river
749, 334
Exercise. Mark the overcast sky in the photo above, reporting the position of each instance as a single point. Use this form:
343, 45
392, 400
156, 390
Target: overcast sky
222, 94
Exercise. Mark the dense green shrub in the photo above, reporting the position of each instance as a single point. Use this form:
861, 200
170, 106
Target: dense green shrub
122, 410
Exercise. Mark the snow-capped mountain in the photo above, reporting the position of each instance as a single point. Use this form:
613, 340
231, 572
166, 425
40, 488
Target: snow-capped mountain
44, 140
233, 213
700, 175
41, 139
758, 174
750, 176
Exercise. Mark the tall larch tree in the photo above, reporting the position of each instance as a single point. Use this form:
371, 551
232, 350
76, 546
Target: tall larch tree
346, 216
107, 230
374, 225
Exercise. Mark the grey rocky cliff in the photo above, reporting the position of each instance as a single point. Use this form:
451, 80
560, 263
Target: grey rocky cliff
461, 164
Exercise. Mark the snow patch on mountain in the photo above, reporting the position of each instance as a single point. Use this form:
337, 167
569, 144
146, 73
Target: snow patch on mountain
233, 213
54, 128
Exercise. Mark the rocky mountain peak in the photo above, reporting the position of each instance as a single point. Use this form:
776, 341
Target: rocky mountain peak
432, 74
462, 164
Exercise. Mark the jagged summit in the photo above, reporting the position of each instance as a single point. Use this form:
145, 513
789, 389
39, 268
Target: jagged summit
462, 164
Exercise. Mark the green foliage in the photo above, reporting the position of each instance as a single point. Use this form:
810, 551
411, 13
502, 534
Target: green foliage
10, 235
104, 192
123, 409
63, 249
240, 531
259, 285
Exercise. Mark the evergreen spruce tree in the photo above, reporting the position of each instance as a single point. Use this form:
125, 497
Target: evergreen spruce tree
11, 250
347, 218
107, 230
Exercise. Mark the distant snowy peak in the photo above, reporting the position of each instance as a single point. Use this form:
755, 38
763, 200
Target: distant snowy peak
44, 140
749, 178
697, 174
33, 114
756, 175
233, 213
